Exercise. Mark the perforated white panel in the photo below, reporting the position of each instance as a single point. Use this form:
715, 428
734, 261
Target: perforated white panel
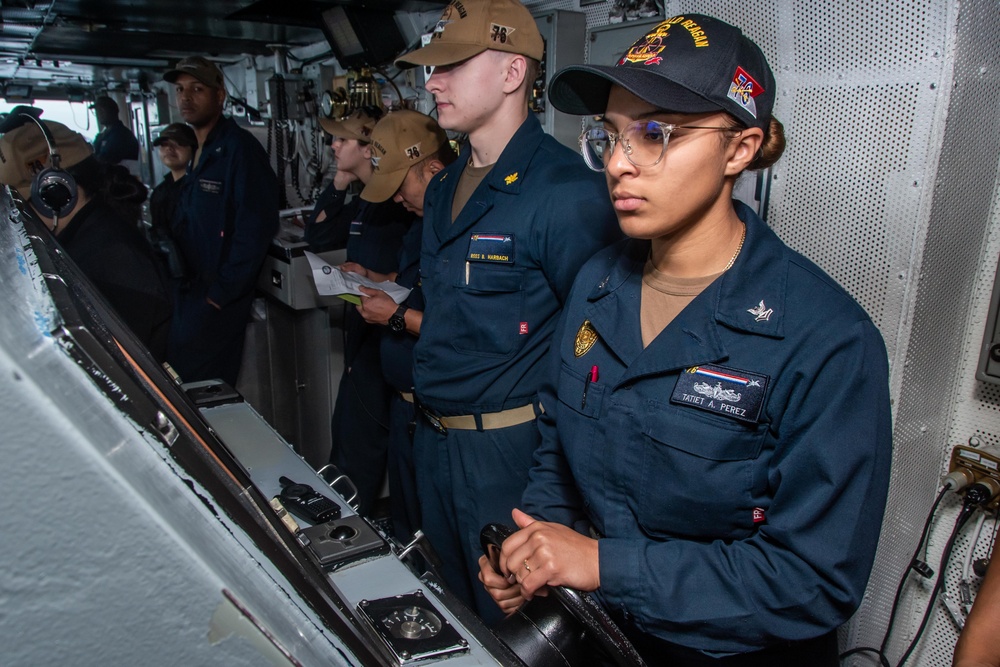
889, 183
975, 417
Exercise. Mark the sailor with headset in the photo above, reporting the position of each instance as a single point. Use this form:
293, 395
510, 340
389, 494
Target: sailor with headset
53, 171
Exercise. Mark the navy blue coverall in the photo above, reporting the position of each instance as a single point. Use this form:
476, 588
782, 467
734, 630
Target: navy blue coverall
116, 143
360, 424
736, 469
397, 368
113, 255
494, 282
332, 231
225, 220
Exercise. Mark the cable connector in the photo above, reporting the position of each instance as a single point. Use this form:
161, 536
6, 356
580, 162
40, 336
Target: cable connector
964, 593
922, 568
958, 479
982, 492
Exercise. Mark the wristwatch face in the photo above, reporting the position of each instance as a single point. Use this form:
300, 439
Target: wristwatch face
398, 322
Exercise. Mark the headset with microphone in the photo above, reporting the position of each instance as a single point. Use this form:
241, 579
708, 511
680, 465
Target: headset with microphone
53, 190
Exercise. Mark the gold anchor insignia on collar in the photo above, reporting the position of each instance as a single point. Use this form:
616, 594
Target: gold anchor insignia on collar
585, 339
510, 178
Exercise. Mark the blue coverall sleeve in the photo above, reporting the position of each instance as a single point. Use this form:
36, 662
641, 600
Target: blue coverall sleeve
588, 224
254, 203
804, 570
552, 491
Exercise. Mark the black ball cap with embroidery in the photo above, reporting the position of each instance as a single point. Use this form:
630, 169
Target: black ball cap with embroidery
685, 64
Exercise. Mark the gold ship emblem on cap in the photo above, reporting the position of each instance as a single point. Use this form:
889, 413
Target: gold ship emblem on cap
585, 339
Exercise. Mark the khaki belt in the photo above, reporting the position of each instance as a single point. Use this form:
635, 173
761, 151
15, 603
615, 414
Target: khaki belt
489, 420
406, 396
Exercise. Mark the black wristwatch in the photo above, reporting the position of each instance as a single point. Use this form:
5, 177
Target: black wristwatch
397, 322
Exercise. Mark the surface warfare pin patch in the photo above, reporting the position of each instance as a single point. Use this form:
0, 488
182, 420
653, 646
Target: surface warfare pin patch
726, 391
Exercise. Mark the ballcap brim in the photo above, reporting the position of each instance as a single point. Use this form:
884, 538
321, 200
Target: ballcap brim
584, 90
440, 53
383, 185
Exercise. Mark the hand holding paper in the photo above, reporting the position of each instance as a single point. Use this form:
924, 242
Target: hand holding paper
331, 281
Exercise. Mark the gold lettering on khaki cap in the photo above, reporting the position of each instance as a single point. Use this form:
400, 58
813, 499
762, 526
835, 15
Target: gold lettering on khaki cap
586, 336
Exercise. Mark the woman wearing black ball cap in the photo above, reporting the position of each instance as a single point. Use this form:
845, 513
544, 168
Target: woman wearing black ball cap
717, 433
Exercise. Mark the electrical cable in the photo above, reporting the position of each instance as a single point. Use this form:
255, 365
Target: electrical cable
905, 577
304, 152
280, 139
316, 164
399, 95
880, 652
971, 504
964, 592
866, 649
72, 113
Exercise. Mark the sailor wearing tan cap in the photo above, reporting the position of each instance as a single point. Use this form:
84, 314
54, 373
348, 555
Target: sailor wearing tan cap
407, 150
507, 226
328, 226
374, 236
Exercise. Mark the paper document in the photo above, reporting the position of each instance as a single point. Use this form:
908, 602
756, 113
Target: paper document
331, 281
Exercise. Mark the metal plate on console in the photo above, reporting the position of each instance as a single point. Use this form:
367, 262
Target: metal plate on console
411, 627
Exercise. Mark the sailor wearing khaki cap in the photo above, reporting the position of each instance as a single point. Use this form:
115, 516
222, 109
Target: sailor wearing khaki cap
327, 227
374, 235
407, 150
356, 125
505, 229
468, 28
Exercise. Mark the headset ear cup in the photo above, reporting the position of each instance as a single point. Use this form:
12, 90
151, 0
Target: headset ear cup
53, 193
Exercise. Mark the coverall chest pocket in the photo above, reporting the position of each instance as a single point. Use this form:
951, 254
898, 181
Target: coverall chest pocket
697, 474
198, 230
487, 310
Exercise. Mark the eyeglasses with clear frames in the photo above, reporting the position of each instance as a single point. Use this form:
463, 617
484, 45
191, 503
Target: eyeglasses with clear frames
644, 142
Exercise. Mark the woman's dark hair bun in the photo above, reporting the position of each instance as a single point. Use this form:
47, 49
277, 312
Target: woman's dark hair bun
772, 147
